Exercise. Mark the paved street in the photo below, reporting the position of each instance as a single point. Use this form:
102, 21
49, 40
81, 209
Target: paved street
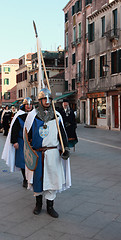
90, 209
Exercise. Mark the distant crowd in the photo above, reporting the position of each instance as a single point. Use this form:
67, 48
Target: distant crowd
6, 116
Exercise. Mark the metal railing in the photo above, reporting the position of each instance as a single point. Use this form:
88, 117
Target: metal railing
112, 33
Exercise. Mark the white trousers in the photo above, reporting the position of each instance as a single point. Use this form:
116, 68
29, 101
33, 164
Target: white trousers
48, 194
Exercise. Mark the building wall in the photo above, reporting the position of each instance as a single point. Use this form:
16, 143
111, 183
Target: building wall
52, 69
23, 89
106, 45
11, 87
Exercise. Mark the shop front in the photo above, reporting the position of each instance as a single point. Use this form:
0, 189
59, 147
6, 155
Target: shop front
97, 107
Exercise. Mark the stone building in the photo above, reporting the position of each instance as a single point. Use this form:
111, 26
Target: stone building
104, 80
8, 72
92, 46
22, 76
54, 64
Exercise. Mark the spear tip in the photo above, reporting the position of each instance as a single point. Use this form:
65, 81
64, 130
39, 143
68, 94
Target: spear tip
35, 29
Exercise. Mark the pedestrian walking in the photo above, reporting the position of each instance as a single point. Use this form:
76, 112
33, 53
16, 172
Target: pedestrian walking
49, 175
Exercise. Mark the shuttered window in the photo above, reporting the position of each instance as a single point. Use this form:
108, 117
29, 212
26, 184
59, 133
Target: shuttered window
78, 6
73, 58
66, 85
66, 17
114, 62
7, 95
103, 26
103, 61
66, 62
6, 81
91, 68
87, 2
91, 32
73, 84
6, 69
119, 60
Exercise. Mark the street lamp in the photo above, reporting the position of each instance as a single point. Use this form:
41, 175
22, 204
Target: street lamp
106, 68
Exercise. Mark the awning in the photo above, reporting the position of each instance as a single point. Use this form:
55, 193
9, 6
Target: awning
17, 102
14, 102
63, 96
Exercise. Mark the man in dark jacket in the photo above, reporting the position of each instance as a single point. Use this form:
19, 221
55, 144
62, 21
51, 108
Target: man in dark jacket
69, 122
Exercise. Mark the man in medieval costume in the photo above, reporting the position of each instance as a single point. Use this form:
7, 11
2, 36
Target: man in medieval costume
52, 173
13, 152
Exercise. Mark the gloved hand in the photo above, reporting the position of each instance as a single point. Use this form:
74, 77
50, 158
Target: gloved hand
66, 154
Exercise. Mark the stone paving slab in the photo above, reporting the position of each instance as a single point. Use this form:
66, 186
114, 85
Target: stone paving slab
89, 210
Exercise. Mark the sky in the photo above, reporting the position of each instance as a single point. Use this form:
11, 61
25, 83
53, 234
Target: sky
17, 36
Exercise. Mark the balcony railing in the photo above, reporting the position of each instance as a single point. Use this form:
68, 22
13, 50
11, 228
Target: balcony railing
78, 40
73, 44
112, 34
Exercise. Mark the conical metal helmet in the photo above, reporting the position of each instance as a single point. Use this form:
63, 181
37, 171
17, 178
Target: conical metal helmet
27, 100
45, 93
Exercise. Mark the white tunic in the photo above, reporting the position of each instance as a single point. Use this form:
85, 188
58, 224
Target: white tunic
53, 169
64, 173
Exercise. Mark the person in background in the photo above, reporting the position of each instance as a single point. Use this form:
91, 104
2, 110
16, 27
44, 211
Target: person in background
1, 125
5, 120
13, 112
70, 124
13, 149
49, 175
17, 137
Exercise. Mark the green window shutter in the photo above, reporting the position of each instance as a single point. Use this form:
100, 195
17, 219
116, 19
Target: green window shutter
6, 81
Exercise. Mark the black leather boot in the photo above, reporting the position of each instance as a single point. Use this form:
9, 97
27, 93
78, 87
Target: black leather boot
25, 183
51, 210
38, 208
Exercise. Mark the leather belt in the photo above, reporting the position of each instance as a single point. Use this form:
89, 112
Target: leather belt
43, 149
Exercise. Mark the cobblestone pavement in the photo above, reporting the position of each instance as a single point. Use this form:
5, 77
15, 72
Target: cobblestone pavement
90, 209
